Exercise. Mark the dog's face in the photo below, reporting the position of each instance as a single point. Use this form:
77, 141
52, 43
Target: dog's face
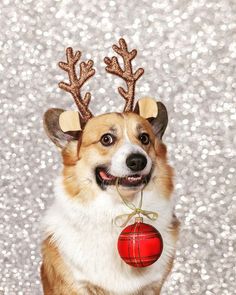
112, 149
118, 148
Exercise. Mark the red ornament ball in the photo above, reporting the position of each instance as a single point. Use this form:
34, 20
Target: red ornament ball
140, 244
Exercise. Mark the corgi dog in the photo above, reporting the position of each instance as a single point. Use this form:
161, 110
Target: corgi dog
79, 248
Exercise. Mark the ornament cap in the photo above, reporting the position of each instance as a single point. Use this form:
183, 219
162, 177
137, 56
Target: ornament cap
139, 219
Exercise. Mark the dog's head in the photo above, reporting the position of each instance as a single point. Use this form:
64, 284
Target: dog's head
114, 148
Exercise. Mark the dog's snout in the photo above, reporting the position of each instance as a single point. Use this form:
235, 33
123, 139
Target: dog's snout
136, 162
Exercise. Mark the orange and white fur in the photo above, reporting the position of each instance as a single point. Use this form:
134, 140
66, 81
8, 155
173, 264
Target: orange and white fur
79, 250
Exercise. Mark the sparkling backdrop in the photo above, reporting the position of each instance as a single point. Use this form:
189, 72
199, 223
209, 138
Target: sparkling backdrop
188, 50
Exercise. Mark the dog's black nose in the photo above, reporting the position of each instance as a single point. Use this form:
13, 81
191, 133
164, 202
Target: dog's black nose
136, 162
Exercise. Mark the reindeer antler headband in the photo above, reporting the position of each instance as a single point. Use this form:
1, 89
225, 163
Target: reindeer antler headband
74, 121
87, 71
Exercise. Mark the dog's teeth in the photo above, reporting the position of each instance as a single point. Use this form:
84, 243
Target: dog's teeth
133, 178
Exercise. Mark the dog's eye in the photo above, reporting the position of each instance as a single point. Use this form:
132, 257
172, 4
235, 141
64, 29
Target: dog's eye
107, 139
144, 138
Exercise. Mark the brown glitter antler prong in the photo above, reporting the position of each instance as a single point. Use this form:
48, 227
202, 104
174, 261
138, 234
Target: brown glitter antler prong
127, 74
86, 71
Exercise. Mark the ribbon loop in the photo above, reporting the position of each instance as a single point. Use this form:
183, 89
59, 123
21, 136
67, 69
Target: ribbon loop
135, 211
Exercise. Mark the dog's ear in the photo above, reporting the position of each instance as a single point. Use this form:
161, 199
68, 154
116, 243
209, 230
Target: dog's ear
62, 126
155, 112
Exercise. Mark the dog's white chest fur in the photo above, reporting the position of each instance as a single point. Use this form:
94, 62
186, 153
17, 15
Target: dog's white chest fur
87, 240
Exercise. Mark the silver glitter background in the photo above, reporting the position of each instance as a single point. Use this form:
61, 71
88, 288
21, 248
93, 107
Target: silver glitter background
188, 50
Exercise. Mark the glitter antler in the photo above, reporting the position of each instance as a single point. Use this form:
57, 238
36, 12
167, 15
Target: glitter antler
127, 74
86, 71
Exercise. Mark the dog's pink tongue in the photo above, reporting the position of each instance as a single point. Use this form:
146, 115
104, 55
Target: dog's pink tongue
105, 176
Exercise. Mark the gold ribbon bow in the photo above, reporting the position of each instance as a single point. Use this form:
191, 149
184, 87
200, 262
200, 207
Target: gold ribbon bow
135, 211
149, 214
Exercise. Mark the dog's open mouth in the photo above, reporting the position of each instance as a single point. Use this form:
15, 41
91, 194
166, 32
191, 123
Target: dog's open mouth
104, 178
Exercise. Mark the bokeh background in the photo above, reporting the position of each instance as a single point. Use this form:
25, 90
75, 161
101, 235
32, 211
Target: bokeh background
188, 50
